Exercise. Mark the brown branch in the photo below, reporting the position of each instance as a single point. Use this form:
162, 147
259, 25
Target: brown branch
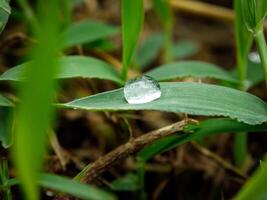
93, 171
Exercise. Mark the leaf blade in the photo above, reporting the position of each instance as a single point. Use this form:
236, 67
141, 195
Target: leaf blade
191, 98
88, 31
190, 68
132, 21
71, 67
72, 187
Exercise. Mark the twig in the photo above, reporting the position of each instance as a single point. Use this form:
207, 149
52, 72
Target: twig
91, 172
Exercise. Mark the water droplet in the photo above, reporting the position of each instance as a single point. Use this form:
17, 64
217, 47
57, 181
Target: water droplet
254, 57
142, 89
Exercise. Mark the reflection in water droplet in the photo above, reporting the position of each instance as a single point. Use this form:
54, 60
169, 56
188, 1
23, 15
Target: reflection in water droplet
142, 89
254, 57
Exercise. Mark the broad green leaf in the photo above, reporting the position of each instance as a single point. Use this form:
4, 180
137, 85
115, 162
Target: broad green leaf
5, 11
74, 188
5, 102
184, 69
243, 41
6, 126
148, 50
71, 67
191, 98
130, 182
132, 14
198, 131
35, 111
88, 31
183, 49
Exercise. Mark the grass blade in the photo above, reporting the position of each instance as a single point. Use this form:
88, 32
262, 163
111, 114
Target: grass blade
191, 98
184, 69
71, 67
74, 188
255, 188
243, 42
132, 14
198, 131
37, 95
88, 31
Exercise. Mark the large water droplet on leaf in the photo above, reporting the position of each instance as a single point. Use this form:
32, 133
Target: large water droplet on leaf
142, 89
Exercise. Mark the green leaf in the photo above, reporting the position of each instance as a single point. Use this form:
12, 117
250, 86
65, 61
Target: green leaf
88, 31
254, 12
6, 126
198, 131
184, 49
191, 98
35, 111
148, 50
71, 67
190, 69
5, 11
5, 102
130, 182
243, 41
68, 186
255, 187
132, 14
74, 188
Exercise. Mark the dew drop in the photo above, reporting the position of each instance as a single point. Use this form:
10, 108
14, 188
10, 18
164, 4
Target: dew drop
254, 57
142, 89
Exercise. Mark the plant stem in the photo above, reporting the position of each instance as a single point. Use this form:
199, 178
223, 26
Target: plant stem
240, 148
262, 48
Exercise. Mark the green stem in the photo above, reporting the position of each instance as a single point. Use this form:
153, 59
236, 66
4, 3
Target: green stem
240, 148
262, 48
168, 44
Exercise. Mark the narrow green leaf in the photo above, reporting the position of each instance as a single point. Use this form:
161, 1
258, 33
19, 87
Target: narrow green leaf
148, 50
254, 13
184, 69
71, 67
88, 31
184, 49
255, 187
191, 98
198, 131
5, 11
35, 111
74, 188
243, 42
68, 186
132, 14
